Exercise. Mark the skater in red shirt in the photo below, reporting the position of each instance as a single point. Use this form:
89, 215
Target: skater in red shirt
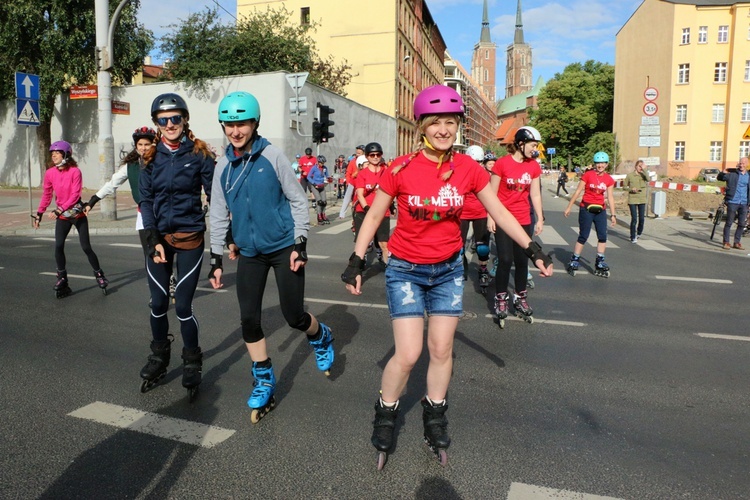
425, 269
365, 188
516, 180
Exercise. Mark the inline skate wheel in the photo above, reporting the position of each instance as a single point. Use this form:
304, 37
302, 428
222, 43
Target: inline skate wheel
501, 323
258, 413
192, 393
382, 459
442, 457
146, 385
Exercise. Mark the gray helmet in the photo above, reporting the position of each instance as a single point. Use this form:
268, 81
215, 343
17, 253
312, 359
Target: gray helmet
169, 102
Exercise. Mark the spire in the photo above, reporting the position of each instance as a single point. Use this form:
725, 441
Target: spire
518, 38
485, 36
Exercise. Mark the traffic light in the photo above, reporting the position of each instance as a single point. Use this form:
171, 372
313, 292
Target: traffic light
317, 132
325, 122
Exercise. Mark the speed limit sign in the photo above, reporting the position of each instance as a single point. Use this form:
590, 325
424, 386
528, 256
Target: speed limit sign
650, 109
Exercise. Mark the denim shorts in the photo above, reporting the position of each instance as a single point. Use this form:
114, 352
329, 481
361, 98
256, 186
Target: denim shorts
413, 289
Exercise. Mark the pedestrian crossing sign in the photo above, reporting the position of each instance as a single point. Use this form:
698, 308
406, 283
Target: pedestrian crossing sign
747, 133
27, 112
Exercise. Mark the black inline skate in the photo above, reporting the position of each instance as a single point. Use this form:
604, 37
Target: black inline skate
157, 364
522, 308
62, 289
261, 400
484, 279
435, 429
382, 430
101, 281
192, 365
601, 268
573, 265
501, 308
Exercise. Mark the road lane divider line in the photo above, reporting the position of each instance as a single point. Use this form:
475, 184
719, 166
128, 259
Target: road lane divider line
696, 280
176, 429
345, 303
522, 491
538, 320
78, 276
722, 336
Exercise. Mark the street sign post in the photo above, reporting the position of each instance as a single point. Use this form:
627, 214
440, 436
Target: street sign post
27, 111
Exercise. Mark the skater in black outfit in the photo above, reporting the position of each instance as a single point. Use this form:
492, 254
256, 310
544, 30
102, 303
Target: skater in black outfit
170, 188
562, 179
63, 178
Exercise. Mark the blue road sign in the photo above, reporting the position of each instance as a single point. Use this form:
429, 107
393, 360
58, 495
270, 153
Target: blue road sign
27, 112
27, 87
551, 151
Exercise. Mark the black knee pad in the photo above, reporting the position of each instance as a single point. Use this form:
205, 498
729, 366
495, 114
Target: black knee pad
321, 203
324, 203
303, 324
252, 333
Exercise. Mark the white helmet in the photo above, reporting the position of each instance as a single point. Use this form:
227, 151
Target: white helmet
361, 160
476, 152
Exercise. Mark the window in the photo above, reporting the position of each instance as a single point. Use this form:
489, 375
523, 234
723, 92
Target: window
744, 149
486, 75
681, 114
720, 72
715, 152
745, 115
717, 113
304, 16
685, 36
487, 54
683, 73
703, 34
723, 34
679, 151
747, 70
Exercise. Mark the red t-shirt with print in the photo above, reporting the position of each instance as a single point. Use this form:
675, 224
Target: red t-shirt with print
596, 187
473, 208
428, 228
368, 180
306, 163
515, 185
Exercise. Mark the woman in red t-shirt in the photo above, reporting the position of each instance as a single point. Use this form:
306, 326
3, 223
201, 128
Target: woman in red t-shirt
425, 269
365, 188
516, 180
595, 184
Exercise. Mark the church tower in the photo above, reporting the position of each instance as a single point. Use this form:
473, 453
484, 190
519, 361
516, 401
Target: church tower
483, 62
518, 65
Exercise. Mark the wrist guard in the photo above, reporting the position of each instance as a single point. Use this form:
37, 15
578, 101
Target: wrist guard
57, 213
229, 238
152, 239
354, 269
37, 217
93, 201
534, 252
216, 263
300, 246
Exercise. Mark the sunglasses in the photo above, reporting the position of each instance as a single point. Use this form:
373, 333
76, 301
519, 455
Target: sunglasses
374, 155
176, 120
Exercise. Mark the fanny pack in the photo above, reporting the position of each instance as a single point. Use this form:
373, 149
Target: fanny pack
594, 209
74, 212
184, 241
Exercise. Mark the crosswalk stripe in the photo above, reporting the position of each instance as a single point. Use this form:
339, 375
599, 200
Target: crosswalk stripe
653, 245
176, 429
521, 491
337, 228
551, 237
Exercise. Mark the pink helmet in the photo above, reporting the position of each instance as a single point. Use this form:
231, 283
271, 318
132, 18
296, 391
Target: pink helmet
438, 99
61, 146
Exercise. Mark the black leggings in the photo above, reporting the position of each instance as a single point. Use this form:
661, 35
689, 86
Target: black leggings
509, 252
561, 185
189, 270
252, 275
62, 229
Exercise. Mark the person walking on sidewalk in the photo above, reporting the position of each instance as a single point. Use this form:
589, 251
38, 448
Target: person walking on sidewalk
63, 179
252, 180
562, 179
597, 186
425, 270
737, 197
318, 178
176, 169
636, 183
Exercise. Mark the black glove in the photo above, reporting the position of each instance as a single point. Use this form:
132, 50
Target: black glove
37, 217
216, 263
300, 246
57, 213
534, 252
152, 239
366, 208
93, 201
229, 238
354, 269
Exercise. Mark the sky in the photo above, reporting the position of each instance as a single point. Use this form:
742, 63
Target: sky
559, 32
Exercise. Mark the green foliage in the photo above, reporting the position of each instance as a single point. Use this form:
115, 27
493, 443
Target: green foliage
574, 107
601, 141
201, 48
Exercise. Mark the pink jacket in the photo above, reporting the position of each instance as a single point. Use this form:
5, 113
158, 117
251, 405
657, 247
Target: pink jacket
66, 184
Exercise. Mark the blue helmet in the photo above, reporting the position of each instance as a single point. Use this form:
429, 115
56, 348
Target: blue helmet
601, 157
239, 106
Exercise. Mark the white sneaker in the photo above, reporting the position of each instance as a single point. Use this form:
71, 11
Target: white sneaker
555, 196
634, 240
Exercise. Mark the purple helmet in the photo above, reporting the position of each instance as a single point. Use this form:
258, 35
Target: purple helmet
62, 146
438, 99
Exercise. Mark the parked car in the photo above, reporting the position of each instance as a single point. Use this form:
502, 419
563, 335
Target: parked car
708, 174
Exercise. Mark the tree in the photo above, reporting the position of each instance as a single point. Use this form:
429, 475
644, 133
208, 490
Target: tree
56, 39
201, 48
574, 107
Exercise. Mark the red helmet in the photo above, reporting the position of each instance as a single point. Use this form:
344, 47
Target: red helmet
436, 100
144, 132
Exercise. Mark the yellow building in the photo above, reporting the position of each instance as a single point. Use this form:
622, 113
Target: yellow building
696, 54
394, 47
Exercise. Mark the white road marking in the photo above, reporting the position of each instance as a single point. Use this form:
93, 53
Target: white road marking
175, 429
344, 303
537, 320
551, 237
44, 239
126, 245
31, 246
338, 228
592, 238
521, 491
207, 250
722, 337
653, 245
696, 280
79, 276
206, 289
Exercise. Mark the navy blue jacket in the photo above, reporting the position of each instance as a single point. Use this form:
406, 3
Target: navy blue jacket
170, 189
731, 176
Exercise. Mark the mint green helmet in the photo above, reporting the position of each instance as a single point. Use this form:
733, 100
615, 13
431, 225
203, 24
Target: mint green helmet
239, 106
601, 157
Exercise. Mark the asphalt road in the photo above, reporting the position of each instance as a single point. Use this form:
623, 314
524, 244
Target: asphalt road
629, 387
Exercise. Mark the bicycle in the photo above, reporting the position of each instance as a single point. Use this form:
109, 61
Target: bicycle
718, 215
